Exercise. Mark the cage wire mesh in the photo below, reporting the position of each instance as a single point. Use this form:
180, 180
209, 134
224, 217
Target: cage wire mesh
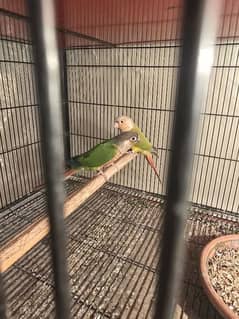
120, 57
139, 79
21, 167
128, 65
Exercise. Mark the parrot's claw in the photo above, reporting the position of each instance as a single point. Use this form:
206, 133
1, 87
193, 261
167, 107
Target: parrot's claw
114, 165
100, 172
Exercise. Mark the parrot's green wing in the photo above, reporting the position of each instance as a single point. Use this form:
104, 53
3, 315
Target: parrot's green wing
96, 157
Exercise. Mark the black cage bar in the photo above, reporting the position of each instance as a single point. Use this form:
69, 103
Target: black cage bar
49, 90
199, 32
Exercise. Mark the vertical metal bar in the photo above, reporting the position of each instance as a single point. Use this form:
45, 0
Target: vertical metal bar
48, 76
2, 299
65, 108
200, 25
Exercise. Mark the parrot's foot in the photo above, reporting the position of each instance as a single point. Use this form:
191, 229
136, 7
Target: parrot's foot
100, 172
113, 164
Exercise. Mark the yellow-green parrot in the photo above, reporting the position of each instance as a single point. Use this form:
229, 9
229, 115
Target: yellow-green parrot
143, 145
103, 154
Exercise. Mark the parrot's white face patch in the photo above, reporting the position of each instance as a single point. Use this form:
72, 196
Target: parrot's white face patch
124, 123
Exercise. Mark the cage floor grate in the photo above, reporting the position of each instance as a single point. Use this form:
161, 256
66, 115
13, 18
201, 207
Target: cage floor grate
16, 218
112, 257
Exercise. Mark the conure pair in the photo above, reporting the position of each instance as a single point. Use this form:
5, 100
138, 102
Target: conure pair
143, 146
106, 153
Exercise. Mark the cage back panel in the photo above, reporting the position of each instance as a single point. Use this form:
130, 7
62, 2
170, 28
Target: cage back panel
20, 157
121, 58
137, 75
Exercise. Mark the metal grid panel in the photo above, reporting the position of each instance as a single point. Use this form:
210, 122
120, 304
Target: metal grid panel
140, 81
121, 81
137, 80
112, 260
16, 218
104, 81
20, 154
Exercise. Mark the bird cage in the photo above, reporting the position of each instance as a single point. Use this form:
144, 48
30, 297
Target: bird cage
122, 244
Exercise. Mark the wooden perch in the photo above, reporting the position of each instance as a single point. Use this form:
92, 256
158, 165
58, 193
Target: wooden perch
12, 251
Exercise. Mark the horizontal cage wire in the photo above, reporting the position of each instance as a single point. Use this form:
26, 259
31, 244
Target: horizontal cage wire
118, 58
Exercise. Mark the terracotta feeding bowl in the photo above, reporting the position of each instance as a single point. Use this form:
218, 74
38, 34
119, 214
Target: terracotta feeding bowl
219, 273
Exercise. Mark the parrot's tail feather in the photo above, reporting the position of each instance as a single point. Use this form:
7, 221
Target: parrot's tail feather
69, 172
151, 163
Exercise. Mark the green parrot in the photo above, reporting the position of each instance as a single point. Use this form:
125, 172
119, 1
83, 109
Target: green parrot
143, 145
103, 154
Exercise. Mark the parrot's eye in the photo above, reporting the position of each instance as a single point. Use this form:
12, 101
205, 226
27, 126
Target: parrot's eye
134, 138
121, 121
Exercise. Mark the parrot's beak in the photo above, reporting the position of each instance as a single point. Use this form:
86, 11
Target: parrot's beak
116, 125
